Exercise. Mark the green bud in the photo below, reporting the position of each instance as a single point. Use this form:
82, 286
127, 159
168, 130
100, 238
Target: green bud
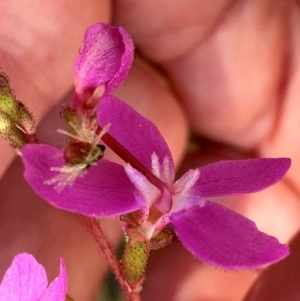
134, 261
13, 108
11, 132
8, 103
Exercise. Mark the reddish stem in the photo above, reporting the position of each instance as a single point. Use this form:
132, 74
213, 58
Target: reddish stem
106, 249
125, 155
32, 138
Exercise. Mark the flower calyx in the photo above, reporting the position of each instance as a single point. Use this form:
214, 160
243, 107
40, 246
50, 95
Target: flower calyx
82, 150
83, 146
134, 263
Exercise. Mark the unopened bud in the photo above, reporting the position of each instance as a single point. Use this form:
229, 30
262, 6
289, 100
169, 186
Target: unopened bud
14, 109
8, 103
11, 132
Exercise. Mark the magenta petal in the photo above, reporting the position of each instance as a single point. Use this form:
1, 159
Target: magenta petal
136, 133
239, 176
103, 191
24, 280
105, 58
221, 237
57, 289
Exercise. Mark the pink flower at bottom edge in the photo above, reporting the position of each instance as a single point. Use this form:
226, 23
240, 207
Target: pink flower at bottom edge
26, 280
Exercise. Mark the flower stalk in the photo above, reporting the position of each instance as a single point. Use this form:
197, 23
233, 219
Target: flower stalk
106, 249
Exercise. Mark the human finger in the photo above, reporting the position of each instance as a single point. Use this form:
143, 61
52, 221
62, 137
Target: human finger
39, 45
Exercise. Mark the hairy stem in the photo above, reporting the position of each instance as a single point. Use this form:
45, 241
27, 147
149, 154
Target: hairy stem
106, 249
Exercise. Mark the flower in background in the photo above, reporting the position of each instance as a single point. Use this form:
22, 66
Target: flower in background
213, 233
26, 280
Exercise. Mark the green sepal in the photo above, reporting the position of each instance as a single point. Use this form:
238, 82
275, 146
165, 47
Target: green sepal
11, 132
161, 240
134, 261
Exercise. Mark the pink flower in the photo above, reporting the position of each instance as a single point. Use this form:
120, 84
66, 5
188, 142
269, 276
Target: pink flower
210, 231
213, 233
26, 280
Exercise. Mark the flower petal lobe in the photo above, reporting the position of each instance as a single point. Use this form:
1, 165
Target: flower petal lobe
57, 289
221, 237
136, 133
239, 176
103, 191
24, 280
105, 58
